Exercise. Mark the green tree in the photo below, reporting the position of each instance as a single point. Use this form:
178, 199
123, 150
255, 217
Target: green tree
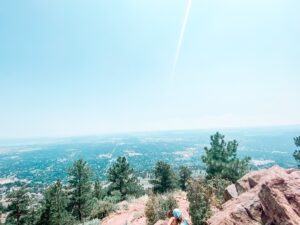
199, 198
18, 207
54, 208
34, 212
80, 189
98, 192
164, 178
297, 151
221, 159
184, 175
123, 179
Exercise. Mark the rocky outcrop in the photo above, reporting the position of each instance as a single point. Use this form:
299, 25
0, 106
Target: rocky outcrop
269, 196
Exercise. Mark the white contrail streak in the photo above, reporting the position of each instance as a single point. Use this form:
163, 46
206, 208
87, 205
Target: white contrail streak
185, 20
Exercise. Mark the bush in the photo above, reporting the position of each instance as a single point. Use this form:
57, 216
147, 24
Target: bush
92, 222
101, 209
151, 210
158, 206
199, 197
217, 186
114, 197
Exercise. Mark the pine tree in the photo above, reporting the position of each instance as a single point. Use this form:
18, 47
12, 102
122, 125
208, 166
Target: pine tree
221, 159
18, 207
297, 151
97, 192
54, 209
184, 175
123, 179
164, 178
80, 189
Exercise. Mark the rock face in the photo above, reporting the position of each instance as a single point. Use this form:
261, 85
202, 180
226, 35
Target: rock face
269, 196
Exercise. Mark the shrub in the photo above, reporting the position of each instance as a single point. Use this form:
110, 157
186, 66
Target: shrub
158, 206
92, 222
101, 209
151, 210
199, 197
217, 186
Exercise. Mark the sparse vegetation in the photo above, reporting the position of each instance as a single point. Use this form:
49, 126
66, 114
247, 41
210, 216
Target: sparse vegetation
158, 206
101, 209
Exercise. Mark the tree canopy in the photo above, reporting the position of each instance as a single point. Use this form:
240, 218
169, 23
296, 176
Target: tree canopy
184, 175
54, 210
297, 151
123, 178
80, 189
18, 207
221, 159
164, 178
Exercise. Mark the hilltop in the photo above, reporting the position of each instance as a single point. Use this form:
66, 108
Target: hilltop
268, 196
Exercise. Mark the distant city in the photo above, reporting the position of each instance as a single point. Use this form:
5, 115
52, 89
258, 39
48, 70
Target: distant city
41, 161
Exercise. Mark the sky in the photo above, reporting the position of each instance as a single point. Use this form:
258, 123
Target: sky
101, 66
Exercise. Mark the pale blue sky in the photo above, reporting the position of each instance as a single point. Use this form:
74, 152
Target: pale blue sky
89, 67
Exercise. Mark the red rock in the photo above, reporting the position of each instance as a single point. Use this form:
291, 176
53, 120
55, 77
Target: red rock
230, 192
280, 200
269, 196
161, 222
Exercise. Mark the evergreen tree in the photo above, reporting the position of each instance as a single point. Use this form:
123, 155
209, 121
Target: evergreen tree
80, 189
297, 151
33, 214
97, 192
54, 209
123, 179
164, 178
199, 200
18, 207
221, 159
184, 175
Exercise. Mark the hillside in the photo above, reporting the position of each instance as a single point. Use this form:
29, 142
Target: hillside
268, 196
132, 213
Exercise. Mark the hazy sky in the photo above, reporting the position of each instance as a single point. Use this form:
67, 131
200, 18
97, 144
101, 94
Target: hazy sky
87, 67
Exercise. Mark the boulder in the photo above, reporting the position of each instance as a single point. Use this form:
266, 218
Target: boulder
280, 200
268, 196
230, 192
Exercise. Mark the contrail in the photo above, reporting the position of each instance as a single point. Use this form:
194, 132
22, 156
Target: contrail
185, 20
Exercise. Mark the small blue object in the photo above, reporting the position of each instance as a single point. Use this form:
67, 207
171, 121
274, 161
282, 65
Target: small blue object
177, 213
184, 223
